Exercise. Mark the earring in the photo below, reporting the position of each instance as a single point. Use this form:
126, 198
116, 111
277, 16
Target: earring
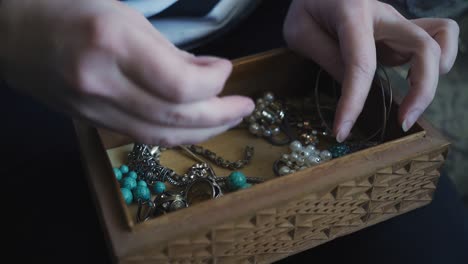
309, 135
267, 117
301, 157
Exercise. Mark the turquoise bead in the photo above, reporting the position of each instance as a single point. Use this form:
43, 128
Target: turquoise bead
159, 187
142, 193
127, 195
118, 174
142, 183
247, 185
133, 175
339, 150
237, 180
124, 169
129, 183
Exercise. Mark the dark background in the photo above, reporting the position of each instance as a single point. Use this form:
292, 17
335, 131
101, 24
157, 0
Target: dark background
50, 216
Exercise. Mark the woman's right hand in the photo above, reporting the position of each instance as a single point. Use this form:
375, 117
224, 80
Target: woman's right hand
105, 63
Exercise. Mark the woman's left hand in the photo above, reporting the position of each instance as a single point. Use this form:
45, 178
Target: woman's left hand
345, 37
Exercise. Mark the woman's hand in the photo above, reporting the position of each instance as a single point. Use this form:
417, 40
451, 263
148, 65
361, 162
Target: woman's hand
346, 36
105, 63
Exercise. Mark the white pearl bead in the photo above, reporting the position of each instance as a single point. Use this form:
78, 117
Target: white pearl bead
258, 114
310, 149
294, 156
252, 119
325, 155
300, 161
275, 131
313, 160
295, 146
284, 170
285, 157
260, 101
305, 153
314, 132
269, 97
267, 132
254, 128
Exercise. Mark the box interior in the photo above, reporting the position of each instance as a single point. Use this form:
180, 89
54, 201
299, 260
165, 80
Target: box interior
287, 76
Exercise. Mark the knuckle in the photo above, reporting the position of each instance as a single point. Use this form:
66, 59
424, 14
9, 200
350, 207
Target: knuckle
102, 32
451, 25
389, 9
364, 67
430, 46
353, 9
84, 81
434, 48
178, 118
180, 88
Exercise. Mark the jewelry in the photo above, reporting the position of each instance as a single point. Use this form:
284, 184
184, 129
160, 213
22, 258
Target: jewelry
198, 184
268, 120
144, 160
148, 168
129, 187
382, 78
211, 156
267, 117
339, 150
300, 158
309, 135
162, 204
169, 202
201, 190
204, 171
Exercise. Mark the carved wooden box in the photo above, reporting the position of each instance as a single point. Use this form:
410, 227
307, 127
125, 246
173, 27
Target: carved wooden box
284, 215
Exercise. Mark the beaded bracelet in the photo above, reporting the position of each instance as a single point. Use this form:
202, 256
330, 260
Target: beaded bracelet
198, 184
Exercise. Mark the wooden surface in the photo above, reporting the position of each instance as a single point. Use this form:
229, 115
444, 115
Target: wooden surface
370, 186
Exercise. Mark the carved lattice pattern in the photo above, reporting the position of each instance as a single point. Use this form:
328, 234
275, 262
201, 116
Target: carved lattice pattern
275, 233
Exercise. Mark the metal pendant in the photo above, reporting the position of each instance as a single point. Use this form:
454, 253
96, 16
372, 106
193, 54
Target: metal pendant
202, 190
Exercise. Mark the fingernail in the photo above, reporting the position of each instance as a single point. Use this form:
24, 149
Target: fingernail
411, 119
206, 60
249, 107
343, 133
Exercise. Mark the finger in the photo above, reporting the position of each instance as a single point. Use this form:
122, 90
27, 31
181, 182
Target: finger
156, 66
212, 112
445, 32
357, 45
309, 39
106, 115
407, 38
215, 111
